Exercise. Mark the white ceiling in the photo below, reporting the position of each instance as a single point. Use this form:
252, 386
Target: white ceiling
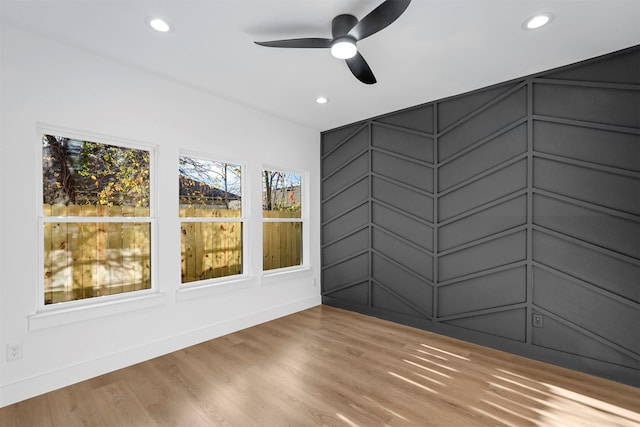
437, 48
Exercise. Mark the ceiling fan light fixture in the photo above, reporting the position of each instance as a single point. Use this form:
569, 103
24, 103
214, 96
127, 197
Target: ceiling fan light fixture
344, 48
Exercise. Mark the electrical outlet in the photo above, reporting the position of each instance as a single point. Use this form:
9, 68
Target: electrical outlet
14, 351
538, 321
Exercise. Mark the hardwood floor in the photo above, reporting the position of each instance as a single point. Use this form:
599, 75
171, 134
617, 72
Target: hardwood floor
326, 366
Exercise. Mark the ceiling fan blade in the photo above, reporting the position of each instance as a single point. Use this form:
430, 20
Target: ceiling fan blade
298, 43
360, 69
379, 18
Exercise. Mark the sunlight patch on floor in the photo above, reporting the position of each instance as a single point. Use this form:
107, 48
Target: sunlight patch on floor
508, 411
395, 414
557, 394
445, 352
432, 355
412, 382
521, 407
417, 365
448, 368
346, 420
516, 392
519, 384
430, 379
544, 404
494, 417
591, 405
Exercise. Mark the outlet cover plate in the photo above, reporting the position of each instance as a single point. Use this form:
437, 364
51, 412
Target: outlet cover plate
537, 320
14, 351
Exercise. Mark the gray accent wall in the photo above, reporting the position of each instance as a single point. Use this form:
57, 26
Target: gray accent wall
474, 215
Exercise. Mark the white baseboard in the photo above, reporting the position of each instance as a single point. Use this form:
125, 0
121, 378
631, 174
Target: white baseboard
36, 385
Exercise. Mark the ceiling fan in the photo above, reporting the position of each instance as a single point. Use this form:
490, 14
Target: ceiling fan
347, 31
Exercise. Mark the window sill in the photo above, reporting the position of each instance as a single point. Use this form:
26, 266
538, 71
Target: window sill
193, 291
53, 317
271, 277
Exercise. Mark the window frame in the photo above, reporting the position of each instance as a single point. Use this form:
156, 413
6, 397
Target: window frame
303, 220
69, 311
218, 282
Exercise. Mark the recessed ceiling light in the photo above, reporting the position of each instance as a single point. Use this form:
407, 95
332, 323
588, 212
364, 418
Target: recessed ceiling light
537, 21
159, 25
321, 100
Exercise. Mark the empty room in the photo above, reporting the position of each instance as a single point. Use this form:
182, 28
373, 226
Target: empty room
336, 212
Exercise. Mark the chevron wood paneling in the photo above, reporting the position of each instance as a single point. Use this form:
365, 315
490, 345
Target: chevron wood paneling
473, 214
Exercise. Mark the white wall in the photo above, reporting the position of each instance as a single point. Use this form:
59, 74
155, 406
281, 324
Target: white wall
43, 81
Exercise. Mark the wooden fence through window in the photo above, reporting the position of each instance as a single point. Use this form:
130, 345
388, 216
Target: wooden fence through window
89, 259
210, 249
281, 241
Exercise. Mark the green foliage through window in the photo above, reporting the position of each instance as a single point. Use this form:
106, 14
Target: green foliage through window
89, 173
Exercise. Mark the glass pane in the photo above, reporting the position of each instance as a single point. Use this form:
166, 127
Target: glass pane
281, 244
209, 189
210, 250
106, 180
281, 195
86, 260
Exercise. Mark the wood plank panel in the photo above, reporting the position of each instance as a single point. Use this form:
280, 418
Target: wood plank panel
611, 106
61, 279
113, 256
404, 143
89, 253
487, 121
48, 266
345, 152
143, 240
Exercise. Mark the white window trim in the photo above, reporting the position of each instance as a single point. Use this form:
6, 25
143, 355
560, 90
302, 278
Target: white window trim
206, 288
217, 285
107, 306
50, 315
275, 276
304, 215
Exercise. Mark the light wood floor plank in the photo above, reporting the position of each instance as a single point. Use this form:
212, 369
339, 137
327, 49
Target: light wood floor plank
330, 367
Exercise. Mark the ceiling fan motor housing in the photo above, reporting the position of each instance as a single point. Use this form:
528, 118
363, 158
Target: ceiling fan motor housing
342, 24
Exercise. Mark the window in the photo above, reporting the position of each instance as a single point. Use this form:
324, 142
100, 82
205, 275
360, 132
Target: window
96, 220
210, 197
282, 219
